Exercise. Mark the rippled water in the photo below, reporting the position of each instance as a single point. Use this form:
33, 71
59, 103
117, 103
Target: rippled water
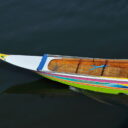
80, 28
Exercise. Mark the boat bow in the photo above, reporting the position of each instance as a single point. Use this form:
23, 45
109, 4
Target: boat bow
3, 56
23, 61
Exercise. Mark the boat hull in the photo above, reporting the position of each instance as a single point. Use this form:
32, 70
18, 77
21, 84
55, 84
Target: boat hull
93, 84
101, 75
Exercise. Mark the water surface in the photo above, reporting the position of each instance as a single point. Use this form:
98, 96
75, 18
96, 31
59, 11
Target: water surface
79, 28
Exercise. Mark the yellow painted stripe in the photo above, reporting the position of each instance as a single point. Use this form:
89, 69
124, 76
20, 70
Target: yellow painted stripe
3, 56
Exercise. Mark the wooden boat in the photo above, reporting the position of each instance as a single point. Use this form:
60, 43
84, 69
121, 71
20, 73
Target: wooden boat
100, 75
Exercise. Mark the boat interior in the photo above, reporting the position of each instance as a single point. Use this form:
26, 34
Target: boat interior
91, 66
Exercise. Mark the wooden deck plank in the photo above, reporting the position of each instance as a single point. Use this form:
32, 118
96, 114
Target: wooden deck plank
112, 67
118, 63
124, 73
85, 66
67, 65
112, 72
116, 68
88, 66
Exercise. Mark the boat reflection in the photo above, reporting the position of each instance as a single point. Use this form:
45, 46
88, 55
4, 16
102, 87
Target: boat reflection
46, 88
42, 87
110, 99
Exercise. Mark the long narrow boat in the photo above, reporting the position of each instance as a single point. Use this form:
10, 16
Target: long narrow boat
100, 75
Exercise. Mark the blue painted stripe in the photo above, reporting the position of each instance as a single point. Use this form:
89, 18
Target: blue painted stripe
95, 67
42, 63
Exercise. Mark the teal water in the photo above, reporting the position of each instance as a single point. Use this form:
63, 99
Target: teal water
77, 28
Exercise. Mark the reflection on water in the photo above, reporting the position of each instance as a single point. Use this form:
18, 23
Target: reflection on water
11, 75
80, 28
41, 87
110, 99
46, 87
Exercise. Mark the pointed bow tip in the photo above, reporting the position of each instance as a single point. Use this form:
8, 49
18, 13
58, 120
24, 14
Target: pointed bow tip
3, 56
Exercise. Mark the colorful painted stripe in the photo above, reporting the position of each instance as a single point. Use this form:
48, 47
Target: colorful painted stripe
91, 82
87, 86
42, 63
79, 83
91, 79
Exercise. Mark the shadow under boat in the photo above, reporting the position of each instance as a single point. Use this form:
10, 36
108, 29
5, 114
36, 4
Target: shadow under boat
110, 99
45, 88
42, 87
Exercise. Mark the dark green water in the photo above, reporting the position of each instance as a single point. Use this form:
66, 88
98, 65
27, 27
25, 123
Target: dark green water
81, 28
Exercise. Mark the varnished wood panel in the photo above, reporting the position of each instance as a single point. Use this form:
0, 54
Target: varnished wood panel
118, 63
112, 72
66, 65
84, 66
87, 67
109, 67
124, 72
116, 68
